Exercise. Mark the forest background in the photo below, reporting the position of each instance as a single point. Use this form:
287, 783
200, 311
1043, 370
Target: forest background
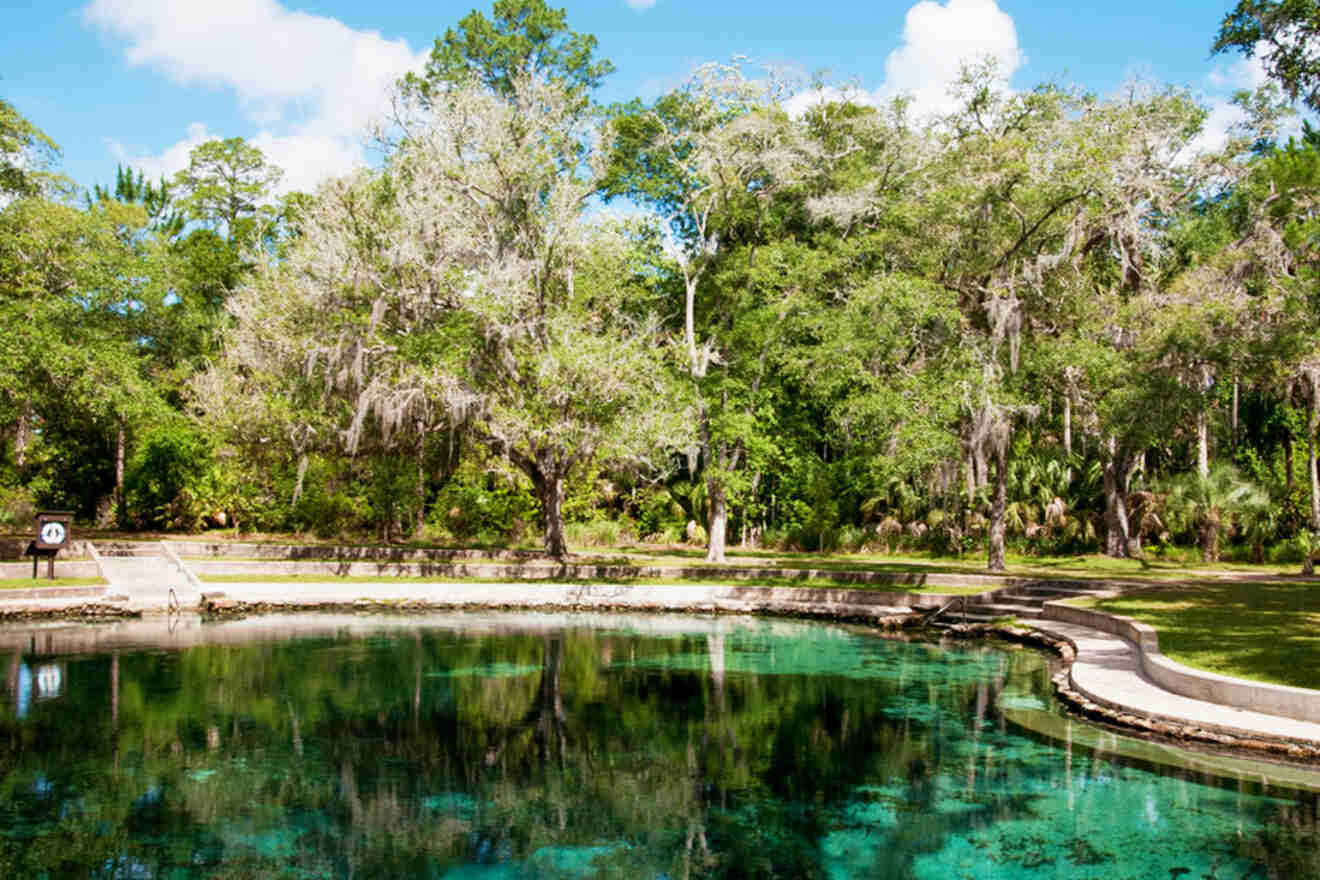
759, 310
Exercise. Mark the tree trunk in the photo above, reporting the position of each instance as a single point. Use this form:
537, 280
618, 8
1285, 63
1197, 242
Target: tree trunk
550, 490
996, 550
718, 524
1288, 463
1067, 432
717, 517
1203, 444
982, 477
121, 509
1117, 530
21, 434
421, 482
1237, 398
1210, 538
1310, 461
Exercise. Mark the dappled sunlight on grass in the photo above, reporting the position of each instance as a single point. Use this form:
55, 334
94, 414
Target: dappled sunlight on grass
1263, 630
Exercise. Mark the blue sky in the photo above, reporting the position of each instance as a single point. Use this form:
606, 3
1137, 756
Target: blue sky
141, 81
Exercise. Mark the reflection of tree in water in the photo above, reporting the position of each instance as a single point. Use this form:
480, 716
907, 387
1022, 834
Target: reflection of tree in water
1288, 844
544, 720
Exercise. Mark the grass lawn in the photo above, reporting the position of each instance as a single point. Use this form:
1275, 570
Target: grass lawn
687, 582
1262, 630
38, 583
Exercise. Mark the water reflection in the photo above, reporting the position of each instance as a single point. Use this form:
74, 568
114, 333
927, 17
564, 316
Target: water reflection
491, 746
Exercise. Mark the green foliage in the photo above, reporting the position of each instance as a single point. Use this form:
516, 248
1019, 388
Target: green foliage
1207, 508
24, 151
224, 186
168, 481
485, 507
1288, 30
18, 507
523, 36
849, 324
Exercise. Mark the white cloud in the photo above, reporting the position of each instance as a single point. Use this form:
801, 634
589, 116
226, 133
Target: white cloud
312, 84
1223, 116
173, 159
1242, 72
938, 39
803, 101
640, 5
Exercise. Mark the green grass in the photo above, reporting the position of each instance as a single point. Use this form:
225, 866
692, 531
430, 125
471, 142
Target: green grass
37, 583
1262, 630
440, 579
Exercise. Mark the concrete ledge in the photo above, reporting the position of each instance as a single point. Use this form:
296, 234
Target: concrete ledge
545, 570
1300, 704
188, 574
83, 569
93, 591
860, 604
11, 549
96, 560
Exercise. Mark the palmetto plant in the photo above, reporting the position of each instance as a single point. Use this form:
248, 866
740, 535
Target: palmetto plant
1207, 506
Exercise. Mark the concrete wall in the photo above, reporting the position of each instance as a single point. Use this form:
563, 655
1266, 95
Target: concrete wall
11, 550
696, 598
73, 569
541, 569
1272, 699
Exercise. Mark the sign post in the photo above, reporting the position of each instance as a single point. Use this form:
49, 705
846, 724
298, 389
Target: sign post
53, 528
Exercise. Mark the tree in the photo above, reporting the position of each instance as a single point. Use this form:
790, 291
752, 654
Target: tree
710, 158
1206, 505
24, 151
525, 37
72, 288
225, 185
463, 286
155, 198
1285, 35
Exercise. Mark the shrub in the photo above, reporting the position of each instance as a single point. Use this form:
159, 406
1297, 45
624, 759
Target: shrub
165, 483
487, 507
18, 508
598, 533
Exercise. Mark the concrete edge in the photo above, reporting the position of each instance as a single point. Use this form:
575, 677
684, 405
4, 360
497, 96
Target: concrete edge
538, 568
63, 568
188, 575
94, 591
1299, 704
96, 560
696, 598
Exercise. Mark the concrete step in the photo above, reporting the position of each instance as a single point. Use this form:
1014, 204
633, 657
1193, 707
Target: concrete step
130, 549
1060, 592
971, 617
982, 611
134, 573
1002, 609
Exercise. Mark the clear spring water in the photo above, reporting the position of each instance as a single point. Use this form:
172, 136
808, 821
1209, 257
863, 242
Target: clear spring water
489, 746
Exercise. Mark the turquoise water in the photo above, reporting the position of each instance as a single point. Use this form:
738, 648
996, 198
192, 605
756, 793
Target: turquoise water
525, 746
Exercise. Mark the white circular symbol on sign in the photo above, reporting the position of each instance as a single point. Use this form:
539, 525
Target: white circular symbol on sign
52, 533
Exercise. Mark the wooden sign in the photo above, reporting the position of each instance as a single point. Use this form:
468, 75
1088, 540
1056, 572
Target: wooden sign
53, 527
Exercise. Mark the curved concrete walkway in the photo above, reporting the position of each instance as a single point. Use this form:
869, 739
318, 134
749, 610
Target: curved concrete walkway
1107, 670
